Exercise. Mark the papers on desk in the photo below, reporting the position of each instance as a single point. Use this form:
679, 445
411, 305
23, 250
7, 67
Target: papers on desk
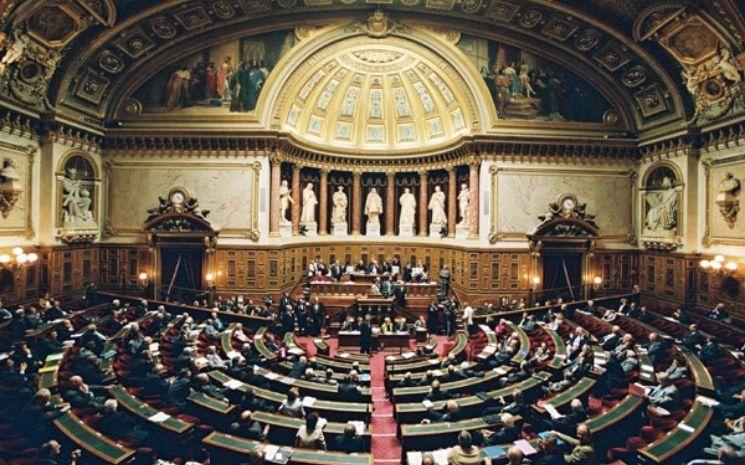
201, 362
686, 428
308, 401
232, 354
159, 417
322, 422
287, 380
551, 410
233, 384
271, 375
408, 355
660, 411
395, 269
427, 403
441, 456
500, 371
434, 361
437, 373
359, 426
53, 357
343, 355
296, 351
525, 446
494, 452
545, 434
48, 369
707, 401
274, 454
364, 377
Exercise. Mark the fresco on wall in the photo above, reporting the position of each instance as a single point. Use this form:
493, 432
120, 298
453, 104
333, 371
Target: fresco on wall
223, 79
526, 86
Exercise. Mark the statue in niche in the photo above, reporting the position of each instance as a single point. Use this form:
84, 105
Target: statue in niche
339, 209
662, 207
308, 215
285, 201
373, 207
464, 206
10, 187
726, 198
76, 199
437, 205
408, 210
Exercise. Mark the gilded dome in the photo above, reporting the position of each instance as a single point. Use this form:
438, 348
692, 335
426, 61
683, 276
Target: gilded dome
377, 95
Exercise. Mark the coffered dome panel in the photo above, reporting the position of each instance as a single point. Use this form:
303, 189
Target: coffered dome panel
386, 94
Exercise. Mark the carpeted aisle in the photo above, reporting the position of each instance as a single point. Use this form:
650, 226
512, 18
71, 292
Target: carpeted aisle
386, 448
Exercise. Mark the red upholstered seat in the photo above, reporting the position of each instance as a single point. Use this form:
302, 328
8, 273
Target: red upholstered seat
649, 433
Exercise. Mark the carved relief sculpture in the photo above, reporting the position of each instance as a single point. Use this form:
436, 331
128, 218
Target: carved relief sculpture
662, 208
408, 211
339, 208
464, 206
10, 187
373, 207
437, 205
726, 199
308, 215
285, 201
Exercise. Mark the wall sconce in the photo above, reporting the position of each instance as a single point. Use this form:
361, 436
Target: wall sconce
719, 264
597, 281
19, 259
143, 279
210, 280
536, 282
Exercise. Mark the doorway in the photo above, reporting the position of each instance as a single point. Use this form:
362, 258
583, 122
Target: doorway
562, 275
181, 273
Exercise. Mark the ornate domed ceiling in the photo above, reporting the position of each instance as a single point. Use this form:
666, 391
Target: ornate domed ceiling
386, 94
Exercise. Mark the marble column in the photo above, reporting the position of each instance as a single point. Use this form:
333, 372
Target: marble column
274, 194
356, 203
323, 203
296, 205
475, 194
423, 189
390, 202
452, 201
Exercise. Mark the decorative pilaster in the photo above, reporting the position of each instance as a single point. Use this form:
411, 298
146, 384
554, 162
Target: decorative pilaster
423, 189
276, 162
452, 201
356, 202
296, 198
390, 200
323, 203
474, 189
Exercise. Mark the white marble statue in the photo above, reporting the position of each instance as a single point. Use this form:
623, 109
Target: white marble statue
373, 207
285, 201
308, 215
662, 207
437, 205
408, 210
76, 199
339, 209
464, 206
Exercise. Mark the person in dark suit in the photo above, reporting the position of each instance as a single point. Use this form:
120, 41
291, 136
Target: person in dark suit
348, 390
287, 320
568, 423
318, 316
719, 313
655, 348
693, 339
36, 416
249, 401
81, 395
336, 271
301, 316
50, 451
153, 383
48, 345
407, 381
550, 453
366, 336
399, 294
285, 301
349, 442
612, 339
249, 428
119, 425
92, 335
299, 365
436, 393
55, 311
178, 390
710, 351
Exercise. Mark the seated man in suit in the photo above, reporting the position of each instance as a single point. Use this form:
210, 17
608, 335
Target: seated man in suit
348, 390
665, 394
508, 432
719, 313
583, 451
400, 325
178, 390
153, 383
612, 339
81, 395
50, 451
249, 428
349, 442
435, 393
693, 339
249, 401
120, 425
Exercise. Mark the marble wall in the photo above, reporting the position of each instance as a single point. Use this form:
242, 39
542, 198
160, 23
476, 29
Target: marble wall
228, 188
520, 193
